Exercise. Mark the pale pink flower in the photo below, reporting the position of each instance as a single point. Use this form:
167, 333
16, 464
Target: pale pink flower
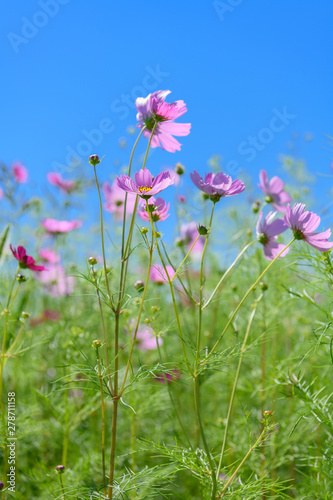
304, 223
146, 339
145, 185
48, 255
115, 198
158, 209
20, 173
158, 275
153, 109
274, 191
217, 186
60, 226
268, 230
56, 283
56, 180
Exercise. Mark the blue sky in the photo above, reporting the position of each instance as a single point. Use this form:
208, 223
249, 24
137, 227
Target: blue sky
252, 74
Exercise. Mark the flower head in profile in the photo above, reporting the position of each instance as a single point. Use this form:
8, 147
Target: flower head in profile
274, 191
115, 198
158, 275
20, 173
217, 186
145, 185
56, 180
54, 226
304, 223
157, 207
25, 261
154, 110
268, 230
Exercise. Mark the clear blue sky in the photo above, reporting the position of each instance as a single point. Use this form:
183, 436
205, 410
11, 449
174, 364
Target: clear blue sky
71, 66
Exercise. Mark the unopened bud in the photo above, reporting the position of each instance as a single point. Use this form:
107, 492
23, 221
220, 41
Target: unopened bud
20, 278
202, 230
267, 413
60, 469
154, 309
158, 234
1, 485
263, 286
139, 285
255, 208
92, 261
147, 321
179, 169
179, 242
94, 160
96, 344
25, 315
144, 230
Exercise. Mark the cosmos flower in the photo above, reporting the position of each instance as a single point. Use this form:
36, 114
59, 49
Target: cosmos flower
25, 261
153, 109
217, 186
146, 339
145, 185
168, 378
115, 198
274, 192
158, 275
268, 230
56, 180
188, 234
60, 226
55, 281
158, 208
48, 255
20, 173
304, 223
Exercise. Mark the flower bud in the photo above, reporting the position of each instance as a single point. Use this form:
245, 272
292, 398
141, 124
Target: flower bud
267, 413
20, 278
139, 285
60, 469
92, 261
182, 198
147, 321
25, 315
158, 234
255, 208
96, 344
1, 485
94, 160
268, 199
179, 242
154, 309
179, 169
263, 286
144, 230
202, 230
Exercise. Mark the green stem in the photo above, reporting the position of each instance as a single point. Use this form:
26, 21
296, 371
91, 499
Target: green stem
228, 271
103, 418
185, 258
232, 397
149, 143
62, 486
244, 299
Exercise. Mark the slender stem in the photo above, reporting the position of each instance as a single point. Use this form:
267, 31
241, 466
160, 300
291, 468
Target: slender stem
171, 290
185, 258
244, 299
104, 332
203, 437
103, 418
14, 296
139, 317
227, 272
243, 461
62, 486
232, 397
113, 446
102, 238
149, 143
15, 342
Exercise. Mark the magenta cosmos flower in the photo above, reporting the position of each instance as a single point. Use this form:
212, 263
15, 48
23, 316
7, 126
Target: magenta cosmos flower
158, 275
268, 230
56, 180
145, 185
20, 173
115, 198
274, 192
217, 186
158, 209
60, 226
304, 223
25, 261
153, 109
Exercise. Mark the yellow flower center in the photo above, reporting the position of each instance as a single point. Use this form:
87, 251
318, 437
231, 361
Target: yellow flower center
145, 189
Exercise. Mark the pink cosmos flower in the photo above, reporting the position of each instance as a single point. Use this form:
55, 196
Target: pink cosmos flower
153, 109
48, 255
20, 173
145, 185
25, 261
188, 234
158, 275
48, 315
168, 378
56, 180
57, 284
303, 223
274, 192
158, 208
115, 198
60, 226
217, 186
267, 233
147, 340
